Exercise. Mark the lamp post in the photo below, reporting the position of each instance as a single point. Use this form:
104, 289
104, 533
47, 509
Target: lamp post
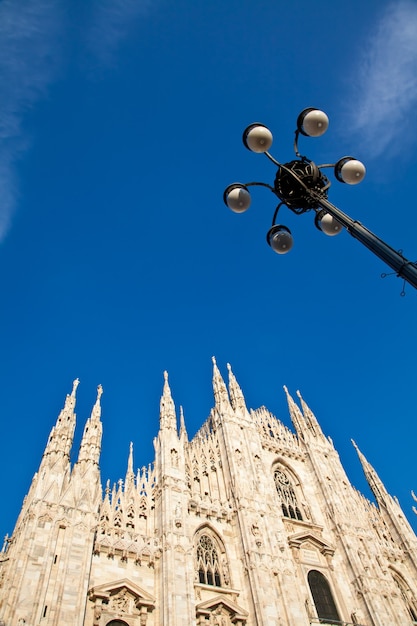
301, 186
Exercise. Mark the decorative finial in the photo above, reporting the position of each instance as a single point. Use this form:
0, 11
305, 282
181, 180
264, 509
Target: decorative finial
130, 474
213, 358
167, 408
75, 384
99, 392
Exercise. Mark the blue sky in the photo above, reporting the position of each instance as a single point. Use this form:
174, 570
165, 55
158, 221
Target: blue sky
120, 127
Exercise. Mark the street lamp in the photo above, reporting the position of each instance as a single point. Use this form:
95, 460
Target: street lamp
301, 186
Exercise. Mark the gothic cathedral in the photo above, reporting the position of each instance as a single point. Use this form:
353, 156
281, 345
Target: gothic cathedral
247, 524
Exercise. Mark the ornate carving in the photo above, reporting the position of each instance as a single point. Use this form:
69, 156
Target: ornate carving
120, 602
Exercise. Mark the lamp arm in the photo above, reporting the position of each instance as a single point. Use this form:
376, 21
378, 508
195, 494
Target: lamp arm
259, 184
402, 266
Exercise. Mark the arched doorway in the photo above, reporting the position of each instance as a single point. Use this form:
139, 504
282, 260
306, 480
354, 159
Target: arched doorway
117, 622
323, 598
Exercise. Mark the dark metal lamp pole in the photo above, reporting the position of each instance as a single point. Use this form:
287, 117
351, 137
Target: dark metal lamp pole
301, 186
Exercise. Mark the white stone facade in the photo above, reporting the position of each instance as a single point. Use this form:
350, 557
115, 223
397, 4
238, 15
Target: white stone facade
247, 524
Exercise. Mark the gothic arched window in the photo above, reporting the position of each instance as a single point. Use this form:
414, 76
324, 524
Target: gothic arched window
208, 563
407, 598
287, 495
323, 599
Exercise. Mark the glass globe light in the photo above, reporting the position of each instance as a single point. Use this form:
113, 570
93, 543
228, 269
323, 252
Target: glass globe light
312, 122
237, 198
257, 138
329, 225
349, 170
280, 239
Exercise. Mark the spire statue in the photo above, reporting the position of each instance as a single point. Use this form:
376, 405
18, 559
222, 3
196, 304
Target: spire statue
75, 384
130, 476
167, 415
96, 412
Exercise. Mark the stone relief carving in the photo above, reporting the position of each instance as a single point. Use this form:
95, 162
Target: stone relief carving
121, 602
220, 617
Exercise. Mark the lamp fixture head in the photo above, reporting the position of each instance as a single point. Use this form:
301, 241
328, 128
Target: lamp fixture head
280, 239
257, 138
328, 224
349, 170
312, 122
237, 198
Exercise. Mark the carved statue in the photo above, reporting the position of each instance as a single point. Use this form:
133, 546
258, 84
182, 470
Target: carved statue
178, 511
174, 458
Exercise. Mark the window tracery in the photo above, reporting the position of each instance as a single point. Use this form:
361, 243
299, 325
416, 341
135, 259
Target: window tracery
407, 597
211, 567
143, 507
287, 495
130, 518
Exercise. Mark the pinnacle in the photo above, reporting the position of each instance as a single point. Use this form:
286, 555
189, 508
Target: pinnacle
75, 384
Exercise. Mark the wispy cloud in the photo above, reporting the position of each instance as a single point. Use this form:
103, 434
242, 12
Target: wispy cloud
111, 22
385, 98
29, 33
31, 51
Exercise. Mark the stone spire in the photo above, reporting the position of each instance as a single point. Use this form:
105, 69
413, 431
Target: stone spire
130, 476
312, 425
90, 447
237, 399
62, 434
295, 414
372, 477
167, 415
183, 430
221, 396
